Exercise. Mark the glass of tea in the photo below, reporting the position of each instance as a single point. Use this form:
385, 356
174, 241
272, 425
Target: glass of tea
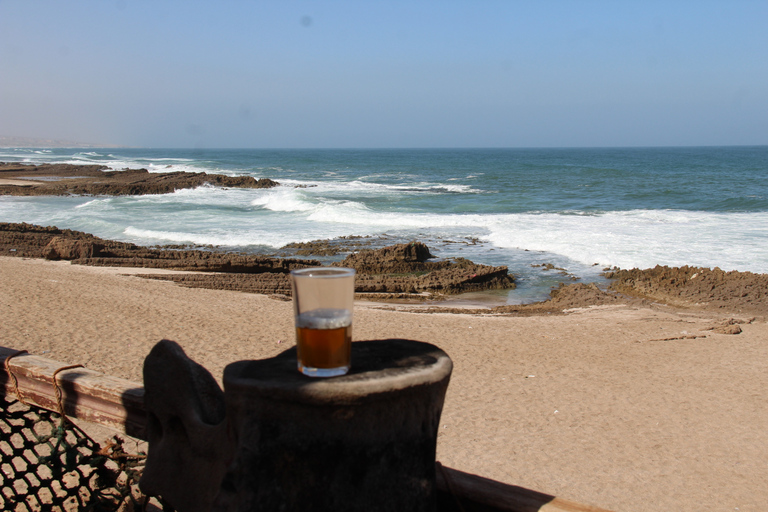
323, 300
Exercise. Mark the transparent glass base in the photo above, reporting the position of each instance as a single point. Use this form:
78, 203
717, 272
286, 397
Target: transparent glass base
323, 372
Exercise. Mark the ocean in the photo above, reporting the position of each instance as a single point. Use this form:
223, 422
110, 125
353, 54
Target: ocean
580, 210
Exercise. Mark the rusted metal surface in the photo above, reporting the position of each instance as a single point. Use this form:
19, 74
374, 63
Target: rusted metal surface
85, 394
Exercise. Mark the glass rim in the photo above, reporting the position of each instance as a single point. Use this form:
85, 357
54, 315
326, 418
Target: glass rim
324, 272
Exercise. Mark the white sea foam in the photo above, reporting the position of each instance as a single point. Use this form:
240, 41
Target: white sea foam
95, 204
456, 189
342, 212
179, 167
417, 188
324, 318
317, 197
370, 188
207, 195
166, 236
122, 164
283, 199
165, 159
234, 238
353, 213
642, 238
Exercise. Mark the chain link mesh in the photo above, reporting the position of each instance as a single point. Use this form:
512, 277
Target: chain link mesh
48, 463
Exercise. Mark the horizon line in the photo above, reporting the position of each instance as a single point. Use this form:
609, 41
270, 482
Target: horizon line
75, 145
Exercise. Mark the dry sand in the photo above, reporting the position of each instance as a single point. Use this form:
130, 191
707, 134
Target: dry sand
632, 408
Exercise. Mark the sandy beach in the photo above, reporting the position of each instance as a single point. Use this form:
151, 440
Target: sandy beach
626, 407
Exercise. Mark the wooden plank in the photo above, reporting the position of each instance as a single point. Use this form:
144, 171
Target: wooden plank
86, 394
119, 404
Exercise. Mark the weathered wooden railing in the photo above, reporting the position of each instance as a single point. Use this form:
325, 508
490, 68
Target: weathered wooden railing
119, 404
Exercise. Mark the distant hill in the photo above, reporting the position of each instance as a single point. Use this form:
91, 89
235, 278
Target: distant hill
31, 142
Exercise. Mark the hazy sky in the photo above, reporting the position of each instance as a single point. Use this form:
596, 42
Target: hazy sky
326, 73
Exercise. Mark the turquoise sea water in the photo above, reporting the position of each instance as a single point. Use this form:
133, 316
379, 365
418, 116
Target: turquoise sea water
579, 209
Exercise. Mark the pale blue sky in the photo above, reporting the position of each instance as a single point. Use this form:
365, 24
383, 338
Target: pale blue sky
385, 74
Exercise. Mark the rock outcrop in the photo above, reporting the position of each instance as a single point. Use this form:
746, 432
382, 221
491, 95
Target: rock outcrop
398, 271
61, 248
400, 258
51, 242
694, 286
404, 269
66, 179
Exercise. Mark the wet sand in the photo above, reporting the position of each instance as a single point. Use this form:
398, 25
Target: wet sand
632, 407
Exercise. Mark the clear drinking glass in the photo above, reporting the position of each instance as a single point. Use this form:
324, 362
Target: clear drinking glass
323, 300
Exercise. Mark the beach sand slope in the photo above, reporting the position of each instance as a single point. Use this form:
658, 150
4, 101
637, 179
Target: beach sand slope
632, 407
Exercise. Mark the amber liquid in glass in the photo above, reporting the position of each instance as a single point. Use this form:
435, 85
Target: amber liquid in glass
324, 348
324, 342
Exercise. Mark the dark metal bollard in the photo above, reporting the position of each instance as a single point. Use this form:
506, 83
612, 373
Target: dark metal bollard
362, 441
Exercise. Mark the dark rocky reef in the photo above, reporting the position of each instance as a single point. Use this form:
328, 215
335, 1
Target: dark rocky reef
404, 269
395, 272
404, 272
682, 287
332, 247
65, 179
226, 271
694, 286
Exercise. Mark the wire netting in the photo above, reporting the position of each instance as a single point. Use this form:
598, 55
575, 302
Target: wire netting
48, 463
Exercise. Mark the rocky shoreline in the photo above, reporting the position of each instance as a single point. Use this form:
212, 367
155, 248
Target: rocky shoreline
404, 273
397, 272
65, 179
